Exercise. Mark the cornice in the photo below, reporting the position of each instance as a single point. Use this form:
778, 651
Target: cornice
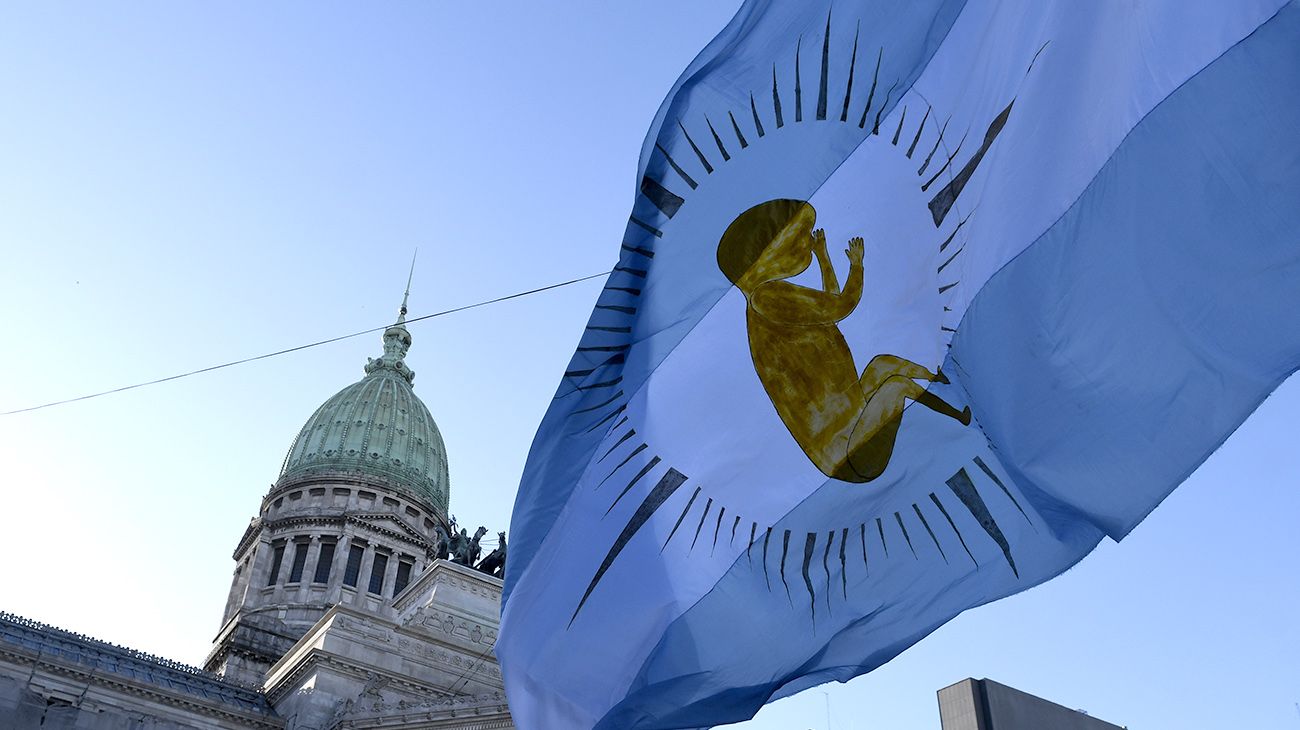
86, 675
358, 479
249, 537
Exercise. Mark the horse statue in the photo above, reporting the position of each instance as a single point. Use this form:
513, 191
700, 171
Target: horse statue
465, 549
495, 562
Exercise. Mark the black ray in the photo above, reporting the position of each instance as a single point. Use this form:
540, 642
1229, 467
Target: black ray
648, 228
622, 463
766, 539
871, 95
826, 68
798, 82
661, 492
880, 527
921, 171
809, 544
676, 168
630, 433
848, 88
926, 525
946, 163
985, 468
638, 273
758, 123
736, 128
935, 498
613, 360
953, 235
917, 138
664, 199
654, 461
844, 570
708, 168
607, 419
902, 118
716, 528
875, 128
944, 265
616, 308
776, 100
862, 534
944, 199
685, 511
717, 140
964, 488
785, 549
707, 506
826, 556
734, 525
906, 536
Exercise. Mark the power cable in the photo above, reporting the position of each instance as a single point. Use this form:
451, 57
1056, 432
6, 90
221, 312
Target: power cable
277, 353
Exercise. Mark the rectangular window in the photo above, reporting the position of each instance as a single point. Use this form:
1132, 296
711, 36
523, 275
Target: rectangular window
277, 557
353, 569
403, 576
324, 564
377, 568
299, 560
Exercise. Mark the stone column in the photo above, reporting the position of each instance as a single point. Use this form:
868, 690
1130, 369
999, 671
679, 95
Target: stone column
341, 550
261, 571
309, 568
390, 573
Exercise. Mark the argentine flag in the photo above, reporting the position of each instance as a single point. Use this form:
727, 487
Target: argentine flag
917, 302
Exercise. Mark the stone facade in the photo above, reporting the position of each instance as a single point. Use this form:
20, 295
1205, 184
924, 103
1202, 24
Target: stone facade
342, 612
982, 704
330, 539
421, 660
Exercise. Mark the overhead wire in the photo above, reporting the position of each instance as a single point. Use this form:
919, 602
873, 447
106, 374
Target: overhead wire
309, 345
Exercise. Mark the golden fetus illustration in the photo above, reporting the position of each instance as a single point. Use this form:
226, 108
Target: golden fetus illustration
845, 421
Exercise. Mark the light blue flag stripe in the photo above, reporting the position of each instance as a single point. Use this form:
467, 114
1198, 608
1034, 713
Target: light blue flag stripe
605, 369
1107, 361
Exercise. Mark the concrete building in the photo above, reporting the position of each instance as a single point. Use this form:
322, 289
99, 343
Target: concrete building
355, 602
982, 704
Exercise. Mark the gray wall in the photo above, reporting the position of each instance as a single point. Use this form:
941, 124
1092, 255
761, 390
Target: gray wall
982, 704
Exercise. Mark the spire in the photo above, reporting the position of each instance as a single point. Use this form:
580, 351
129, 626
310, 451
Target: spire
401, 315
397, 340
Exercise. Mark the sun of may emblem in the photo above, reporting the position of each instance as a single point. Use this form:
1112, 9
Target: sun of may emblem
838, 361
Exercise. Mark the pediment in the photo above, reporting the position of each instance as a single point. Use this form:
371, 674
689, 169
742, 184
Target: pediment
391, 523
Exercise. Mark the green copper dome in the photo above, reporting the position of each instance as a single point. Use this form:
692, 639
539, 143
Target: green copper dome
377, 427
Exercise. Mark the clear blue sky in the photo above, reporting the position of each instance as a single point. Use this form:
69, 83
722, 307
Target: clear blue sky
185, 184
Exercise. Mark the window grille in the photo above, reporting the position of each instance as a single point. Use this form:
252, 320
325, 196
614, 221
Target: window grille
377, 568
353, 569
324, 563
277, 557
403, 576
299, 560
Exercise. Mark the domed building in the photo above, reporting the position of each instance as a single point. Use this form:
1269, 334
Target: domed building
355, 601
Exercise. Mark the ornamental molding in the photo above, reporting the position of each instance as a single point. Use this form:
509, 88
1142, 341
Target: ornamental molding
248, 539
414, 534
362, 673
114, 683
357, 479
491, 708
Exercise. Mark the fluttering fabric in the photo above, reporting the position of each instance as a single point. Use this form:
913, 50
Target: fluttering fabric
917, 303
